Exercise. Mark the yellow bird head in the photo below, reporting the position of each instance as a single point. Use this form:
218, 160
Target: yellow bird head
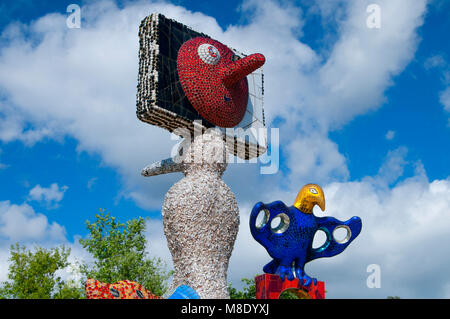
309, 196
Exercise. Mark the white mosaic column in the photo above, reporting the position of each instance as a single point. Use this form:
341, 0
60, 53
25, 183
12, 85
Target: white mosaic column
201, 219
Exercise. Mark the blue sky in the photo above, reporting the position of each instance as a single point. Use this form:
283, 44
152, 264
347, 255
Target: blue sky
361, 111
412, 110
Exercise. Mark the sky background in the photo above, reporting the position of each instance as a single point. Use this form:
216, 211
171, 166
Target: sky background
364, 112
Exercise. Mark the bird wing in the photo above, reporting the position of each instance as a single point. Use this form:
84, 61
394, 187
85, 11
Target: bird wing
333, 247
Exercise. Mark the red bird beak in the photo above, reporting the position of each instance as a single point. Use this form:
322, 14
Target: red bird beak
239, 69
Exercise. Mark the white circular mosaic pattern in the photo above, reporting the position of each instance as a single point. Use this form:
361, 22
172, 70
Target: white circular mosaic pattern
208, 53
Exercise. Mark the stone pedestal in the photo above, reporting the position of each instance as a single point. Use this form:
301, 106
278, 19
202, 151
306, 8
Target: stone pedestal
270, 286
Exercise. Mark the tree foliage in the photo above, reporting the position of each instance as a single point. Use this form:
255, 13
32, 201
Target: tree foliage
33, 275
248, 292
119, 251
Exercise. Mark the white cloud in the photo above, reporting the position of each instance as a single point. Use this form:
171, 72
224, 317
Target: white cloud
315, 92
156, 241
54, 76
51, 195
68, 74
393, 167
2, 165
403, 231
91, 182
363, 61
77, 256
438, 62
22, 223
445, 99
4, 263
12, 127
435, 61
317, 158
82, 83
390, 135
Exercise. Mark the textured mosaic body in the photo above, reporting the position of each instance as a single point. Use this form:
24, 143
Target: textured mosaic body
187, 80
124, 289
290, 241
127, 289
201, 219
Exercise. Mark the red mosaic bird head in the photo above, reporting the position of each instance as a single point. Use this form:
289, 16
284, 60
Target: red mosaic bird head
214, 79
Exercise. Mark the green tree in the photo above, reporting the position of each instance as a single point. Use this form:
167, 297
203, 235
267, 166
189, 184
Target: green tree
70, 290
32, 275
248, 292
290, 294
119, 254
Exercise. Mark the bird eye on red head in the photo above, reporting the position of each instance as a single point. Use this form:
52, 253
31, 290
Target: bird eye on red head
208, 53
215, 80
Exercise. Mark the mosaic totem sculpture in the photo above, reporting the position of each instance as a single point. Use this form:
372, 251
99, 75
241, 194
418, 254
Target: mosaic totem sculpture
188, 80
290, 240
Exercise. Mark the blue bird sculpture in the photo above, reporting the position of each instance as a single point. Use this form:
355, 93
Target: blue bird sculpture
289, 242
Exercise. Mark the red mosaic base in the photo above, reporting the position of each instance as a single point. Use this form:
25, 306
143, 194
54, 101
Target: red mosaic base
270, 286
120, 290
219, 90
